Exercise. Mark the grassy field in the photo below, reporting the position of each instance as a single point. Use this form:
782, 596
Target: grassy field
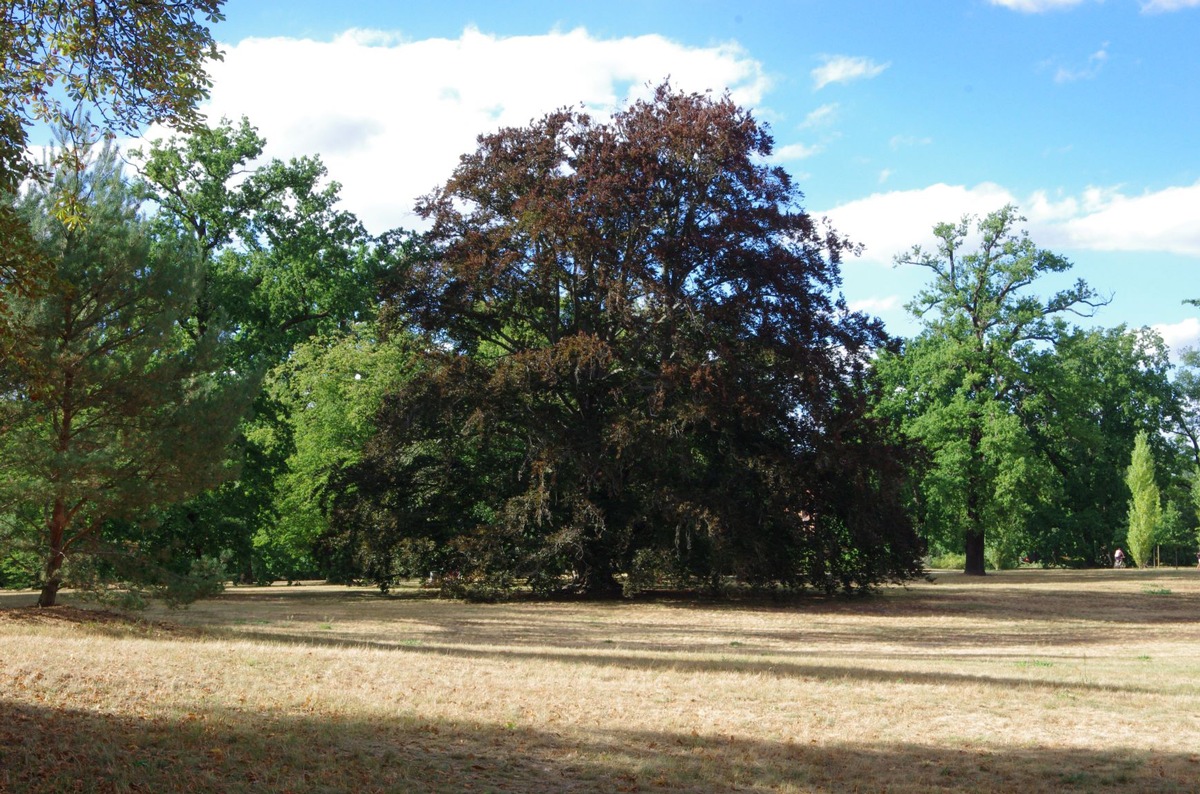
1022, 681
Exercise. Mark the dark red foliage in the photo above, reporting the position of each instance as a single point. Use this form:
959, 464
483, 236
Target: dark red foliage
659, 360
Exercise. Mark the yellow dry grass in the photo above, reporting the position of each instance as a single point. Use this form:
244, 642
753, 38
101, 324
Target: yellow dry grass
1021, 681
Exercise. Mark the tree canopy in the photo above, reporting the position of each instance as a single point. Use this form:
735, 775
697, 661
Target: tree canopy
618, 357
636, 343
108, 409
133, 62
280, 263
959, 382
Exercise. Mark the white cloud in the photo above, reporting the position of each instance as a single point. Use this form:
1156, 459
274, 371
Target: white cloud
885, 175
1035, 6
1107, 220
390, 116
890, 223
1098, 219
793, 151
820, 117
843, 69
1095, 63
1163, 6
1180, 335
876, 305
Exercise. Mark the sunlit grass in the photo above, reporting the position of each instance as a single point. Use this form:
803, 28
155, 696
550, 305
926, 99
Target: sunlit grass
1023, 681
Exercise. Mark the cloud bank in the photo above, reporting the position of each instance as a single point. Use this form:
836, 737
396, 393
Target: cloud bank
391, 117
1098, 219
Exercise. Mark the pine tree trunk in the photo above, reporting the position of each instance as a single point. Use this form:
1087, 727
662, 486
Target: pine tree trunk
49, 595
56, 528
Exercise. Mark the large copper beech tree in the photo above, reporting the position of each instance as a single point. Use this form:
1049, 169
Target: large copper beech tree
637, 350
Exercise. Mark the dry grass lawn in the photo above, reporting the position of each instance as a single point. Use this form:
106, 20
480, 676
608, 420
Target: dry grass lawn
1022, 681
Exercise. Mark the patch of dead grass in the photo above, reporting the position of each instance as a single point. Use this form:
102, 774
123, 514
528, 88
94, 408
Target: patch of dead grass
1028, 680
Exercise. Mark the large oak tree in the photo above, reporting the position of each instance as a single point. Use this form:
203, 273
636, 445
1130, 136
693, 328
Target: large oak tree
280, 262
963, 380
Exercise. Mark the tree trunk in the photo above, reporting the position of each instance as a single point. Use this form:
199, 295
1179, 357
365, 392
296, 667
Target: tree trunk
973, 541
594, 576
597, 584
56, 528
49, 595
975, 555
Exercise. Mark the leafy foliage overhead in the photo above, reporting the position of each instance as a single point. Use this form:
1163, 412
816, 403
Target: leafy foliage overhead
135, 62
637, 344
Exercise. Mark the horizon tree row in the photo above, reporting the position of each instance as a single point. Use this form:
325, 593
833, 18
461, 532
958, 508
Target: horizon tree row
617, 358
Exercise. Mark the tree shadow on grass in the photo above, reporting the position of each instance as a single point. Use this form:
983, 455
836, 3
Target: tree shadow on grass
635, 655
569, 631
653, 658
50, 750
1103, 596
771, 667
1099, 595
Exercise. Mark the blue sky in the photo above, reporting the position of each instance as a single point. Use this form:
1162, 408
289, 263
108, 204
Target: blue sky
892, 116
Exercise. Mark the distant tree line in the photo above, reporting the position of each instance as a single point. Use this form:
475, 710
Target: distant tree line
618, 359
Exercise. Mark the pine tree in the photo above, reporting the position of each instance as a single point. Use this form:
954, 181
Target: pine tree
1144, 508
110, 409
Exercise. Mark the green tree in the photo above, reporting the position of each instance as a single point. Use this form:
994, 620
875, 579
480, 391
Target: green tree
1145, 509
955, 384
1174, 536
638, 346
1195, 501
134, 62
1082, 403
281, 263
1187, 406
331, 388
109, 411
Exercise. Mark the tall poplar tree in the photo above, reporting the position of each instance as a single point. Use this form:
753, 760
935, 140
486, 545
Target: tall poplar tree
1145, 507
